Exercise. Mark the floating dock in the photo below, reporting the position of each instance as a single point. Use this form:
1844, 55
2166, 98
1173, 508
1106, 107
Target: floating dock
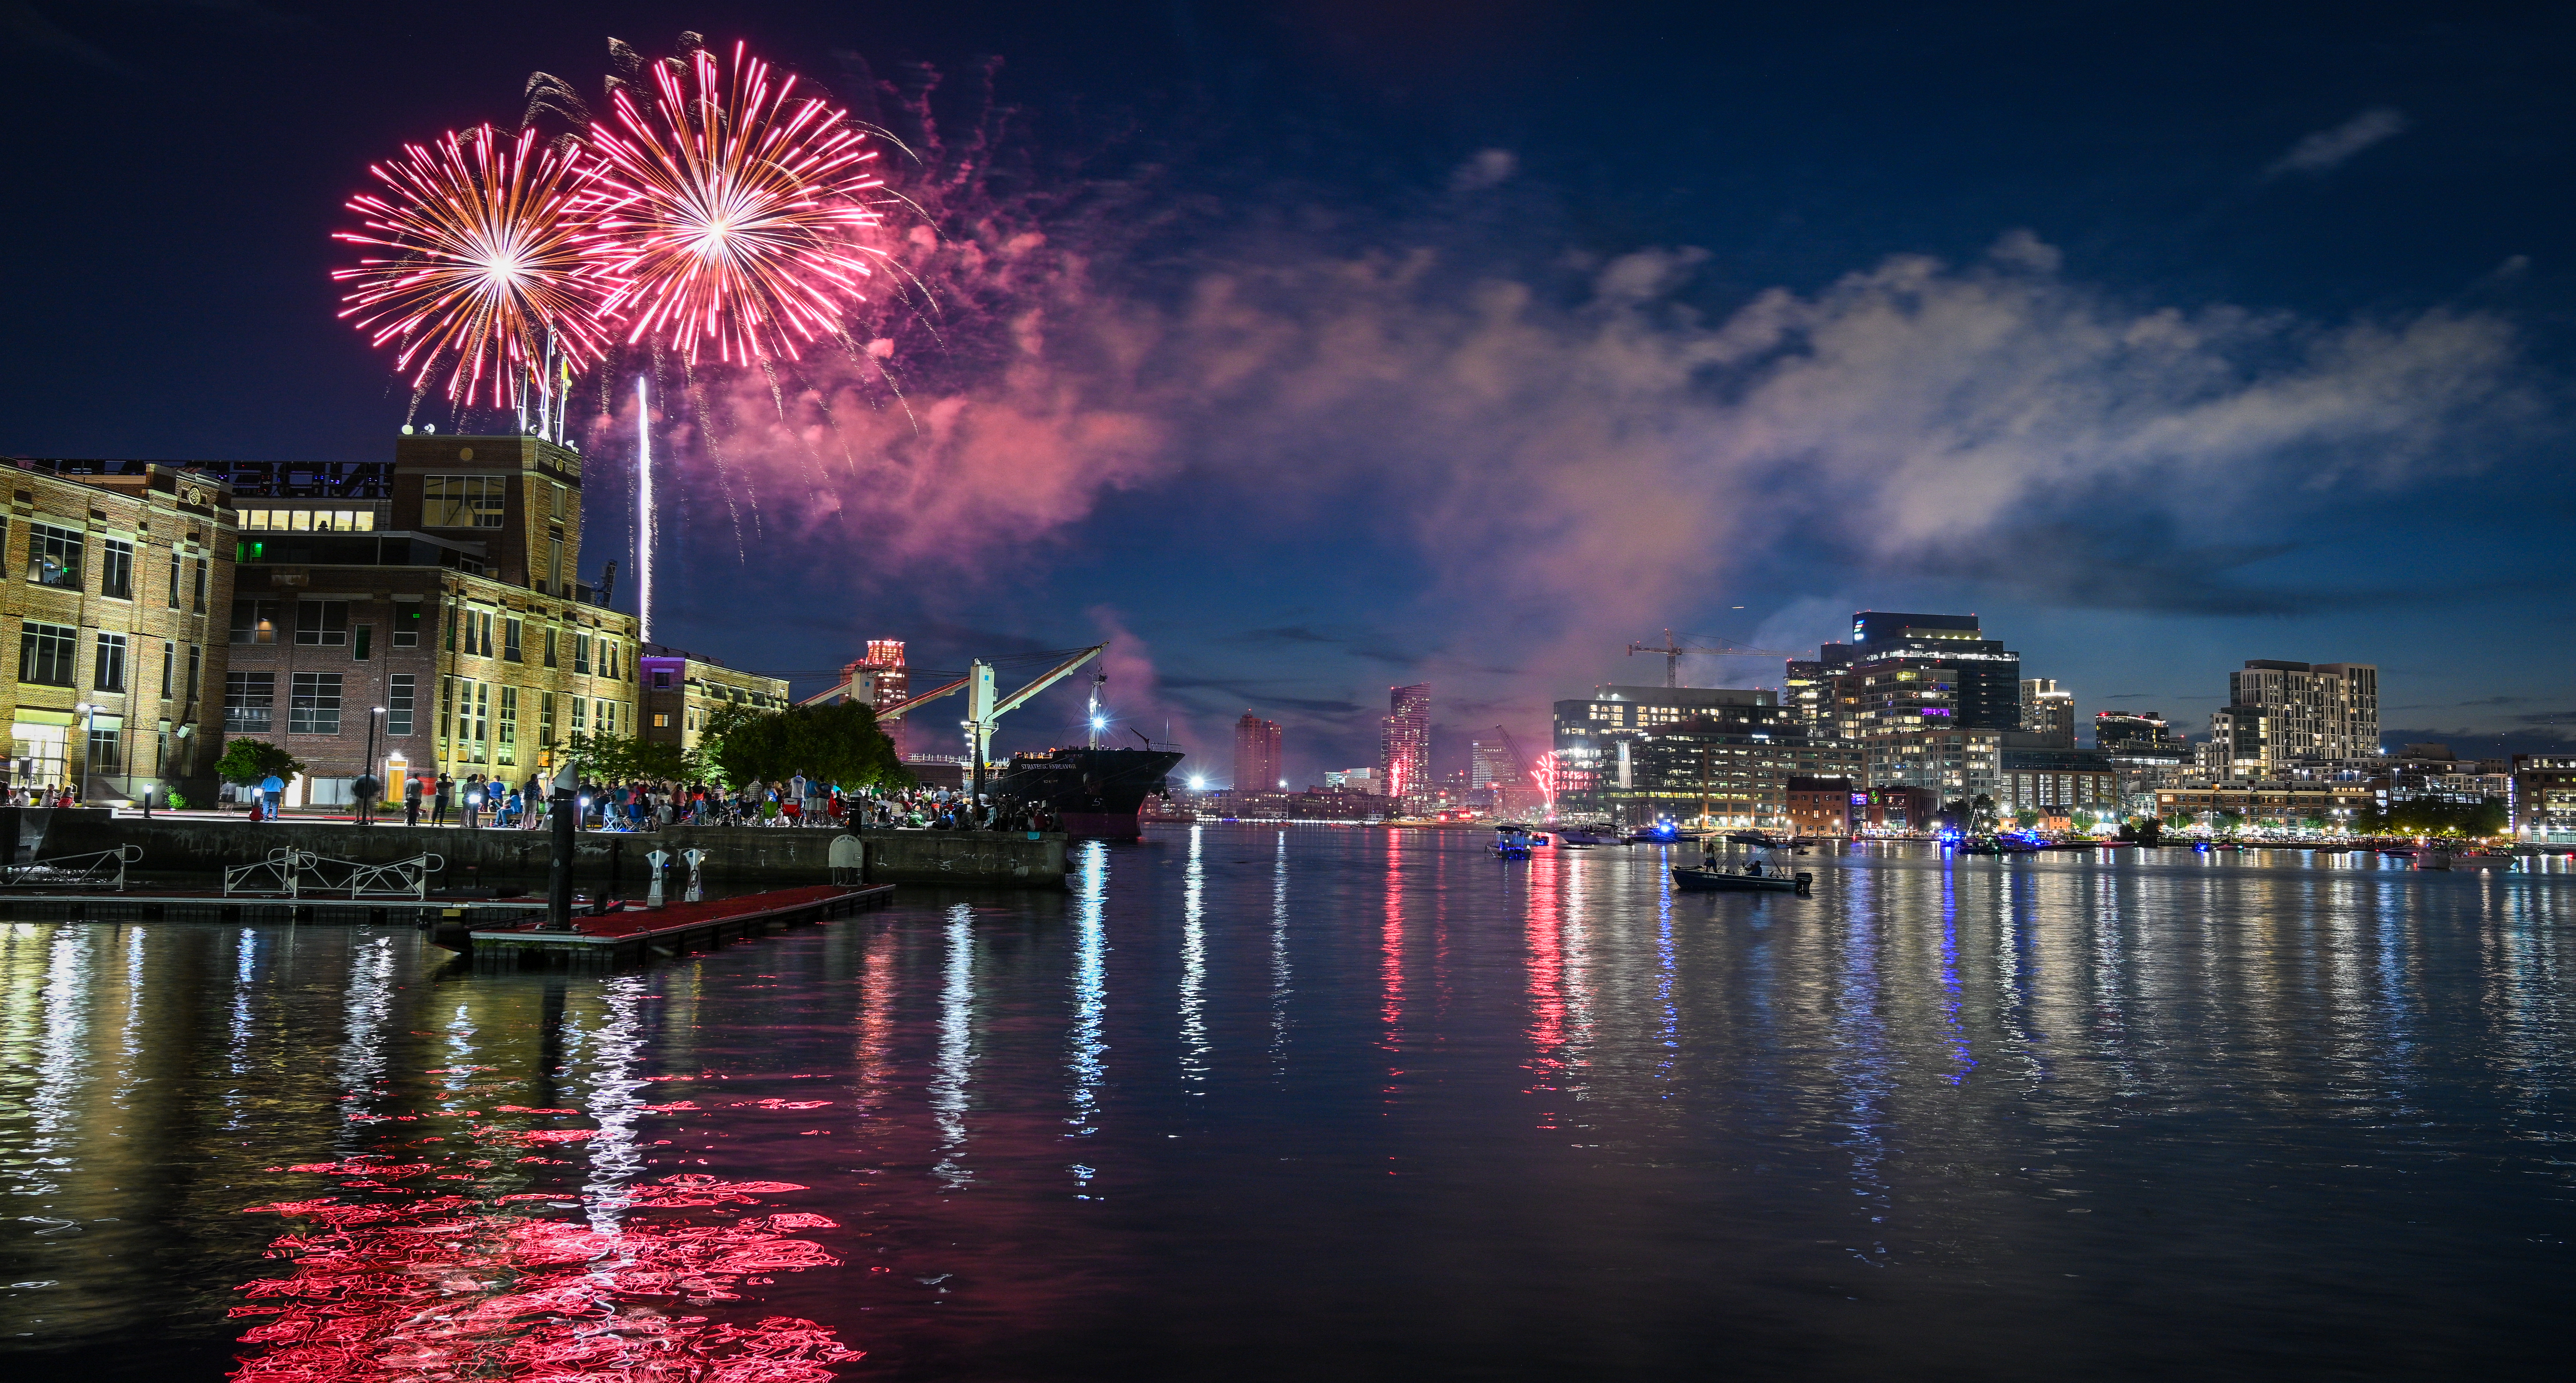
183, 905
637, 934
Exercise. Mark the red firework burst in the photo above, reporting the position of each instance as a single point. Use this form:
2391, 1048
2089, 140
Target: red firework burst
492, 254
741, 211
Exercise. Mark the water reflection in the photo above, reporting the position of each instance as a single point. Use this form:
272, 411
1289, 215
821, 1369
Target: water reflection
1194, 1032
956, 1058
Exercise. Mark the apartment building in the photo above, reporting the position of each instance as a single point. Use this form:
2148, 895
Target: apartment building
681, 692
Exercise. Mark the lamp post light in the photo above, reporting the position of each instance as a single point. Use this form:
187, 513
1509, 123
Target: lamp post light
89, 729
369, 780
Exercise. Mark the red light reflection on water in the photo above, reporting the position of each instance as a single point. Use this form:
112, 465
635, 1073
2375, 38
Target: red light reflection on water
447, 1287
1547, 1029
1391, 961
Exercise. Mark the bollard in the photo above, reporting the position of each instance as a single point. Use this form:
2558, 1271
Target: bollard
660, 860
697, 892
559, 868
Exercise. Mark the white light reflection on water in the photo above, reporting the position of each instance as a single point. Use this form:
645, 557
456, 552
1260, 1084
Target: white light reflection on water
1086, 1049
617, 1049
1861, 1065
62, 1060
1194, 1038
1279, 973
238, 1024
956, 1059
368, 1006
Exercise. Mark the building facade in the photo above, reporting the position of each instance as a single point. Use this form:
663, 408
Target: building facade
680, 692
2544, 798
1719, 756
2325, 805
2309, 710
1823, 806
447, 631
1257, 766
2047, 709
118, 572
2057, 782
1404, 745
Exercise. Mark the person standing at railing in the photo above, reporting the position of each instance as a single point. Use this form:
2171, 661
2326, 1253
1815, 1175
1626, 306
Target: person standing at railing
411, 801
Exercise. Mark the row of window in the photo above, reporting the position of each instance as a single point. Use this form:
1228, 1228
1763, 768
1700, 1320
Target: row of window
324, 623
313, 703
49, 655
56, 554
478, 722
310, 520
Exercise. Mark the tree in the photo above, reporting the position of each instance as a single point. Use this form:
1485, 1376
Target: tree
2429, 817
249, 762
837, 744
632, 759
2026, 817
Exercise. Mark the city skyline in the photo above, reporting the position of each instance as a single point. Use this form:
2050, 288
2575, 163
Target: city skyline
2295, 235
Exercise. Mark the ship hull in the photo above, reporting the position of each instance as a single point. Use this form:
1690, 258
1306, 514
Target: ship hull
1095, 792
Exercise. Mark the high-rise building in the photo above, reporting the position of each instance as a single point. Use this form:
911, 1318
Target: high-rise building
2310, 711
1256, 755
1639, 754
881, 679
1489, 765
1404, 744
2136, 733
2048, 710
1964, 680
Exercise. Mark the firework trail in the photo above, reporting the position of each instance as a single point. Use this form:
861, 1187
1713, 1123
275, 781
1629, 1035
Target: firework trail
742, 212
493, 263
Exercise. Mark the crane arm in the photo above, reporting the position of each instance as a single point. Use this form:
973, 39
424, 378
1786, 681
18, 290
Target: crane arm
1044, 680
897, 709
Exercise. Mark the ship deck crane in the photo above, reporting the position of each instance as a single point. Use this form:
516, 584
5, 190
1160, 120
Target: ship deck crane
984, 708
1673, 649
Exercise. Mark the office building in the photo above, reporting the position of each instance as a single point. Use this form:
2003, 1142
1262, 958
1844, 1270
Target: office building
681, 692
1725, 757
118, 571
2139, 734
1257, 767
1954, 765
2036, 775
1404, 745
2544, 798
1963, 679
1823, 806
2048, 710
1490, 766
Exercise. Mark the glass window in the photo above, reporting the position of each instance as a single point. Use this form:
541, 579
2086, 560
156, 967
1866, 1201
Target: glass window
545, 719
196, 662
510, 641
54, 556
580, 721
47, 653
581, 653
254, 621
250, 698
322, 622
550, 647
359, 651
174, 578
107, 672
106, 749
398, 695
116, 569
509, 742
202, 564
462, 501
313, 705
407, 622
169, 667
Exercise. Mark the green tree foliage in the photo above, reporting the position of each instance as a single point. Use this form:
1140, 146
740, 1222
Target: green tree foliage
632, 759
838, 744
248, 762
2424, 817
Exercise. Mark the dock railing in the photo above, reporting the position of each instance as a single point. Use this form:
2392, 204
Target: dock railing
102, 868
292, 873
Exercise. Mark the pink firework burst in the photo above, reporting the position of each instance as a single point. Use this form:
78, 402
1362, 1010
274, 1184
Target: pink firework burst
493, 259
742, 211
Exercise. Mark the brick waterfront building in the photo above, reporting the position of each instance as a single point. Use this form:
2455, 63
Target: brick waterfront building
681, 691
438, 597
117, 573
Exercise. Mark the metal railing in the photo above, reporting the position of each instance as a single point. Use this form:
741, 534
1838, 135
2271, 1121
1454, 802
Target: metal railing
291, 873
103, 868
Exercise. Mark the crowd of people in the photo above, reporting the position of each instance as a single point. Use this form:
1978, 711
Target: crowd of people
480, 803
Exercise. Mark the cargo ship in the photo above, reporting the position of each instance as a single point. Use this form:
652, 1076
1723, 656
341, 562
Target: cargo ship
1095, 792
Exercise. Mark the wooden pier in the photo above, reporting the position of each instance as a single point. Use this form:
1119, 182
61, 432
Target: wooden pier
637, 934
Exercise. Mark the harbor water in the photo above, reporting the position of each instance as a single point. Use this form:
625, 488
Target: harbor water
1306, 1102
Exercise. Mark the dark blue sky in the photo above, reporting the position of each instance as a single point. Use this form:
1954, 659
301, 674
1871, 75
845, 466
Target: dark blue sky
1464, 343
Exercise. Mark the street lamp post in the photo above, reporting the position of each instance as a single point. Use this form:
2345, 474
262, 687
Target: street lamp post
89, 729
368, 778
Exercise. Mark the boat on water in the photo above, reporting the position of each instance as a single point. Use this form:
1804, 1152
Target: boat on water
1094, 792
1754, 838
1770, 879
1586, 835
2463, 860
1512, 842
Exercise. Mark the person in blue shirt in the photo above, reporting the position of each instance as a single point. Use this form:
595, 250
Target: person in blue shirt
272, 791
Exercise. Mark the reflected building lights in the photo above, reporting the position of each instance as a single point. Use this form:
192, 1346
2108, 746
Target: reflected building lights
1194, 1035
1279, 973
1087, 1050
956, 1049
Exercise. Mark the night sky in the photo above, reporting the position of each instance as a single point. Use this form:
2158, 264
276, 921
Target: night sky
1315, 347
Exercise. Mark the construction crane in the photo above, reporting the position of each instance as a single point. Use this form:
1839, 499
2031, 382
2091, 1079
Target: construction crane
1520, 761
1673, 649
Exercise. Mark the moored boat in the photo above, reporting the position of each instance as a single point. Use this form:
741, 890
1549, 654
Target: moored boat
1725, 881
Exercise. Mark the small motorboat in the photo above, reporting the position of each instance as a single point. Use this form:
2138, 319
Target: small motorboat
1585, 835
1511, 842
1753, 838
2447, 860
1753, 879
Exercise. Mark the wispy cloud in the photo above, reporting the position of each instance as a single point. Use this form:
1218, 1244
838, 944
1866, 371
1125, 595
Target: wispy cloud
2327, 150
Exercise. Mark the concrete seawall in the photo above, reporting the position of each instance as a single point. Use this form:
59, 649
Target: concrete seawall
204, 846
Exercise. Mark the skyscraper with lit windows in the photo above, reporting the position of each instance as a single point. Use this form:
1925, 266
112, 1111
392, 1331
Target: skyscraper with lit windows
1404, 744
1256, 755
